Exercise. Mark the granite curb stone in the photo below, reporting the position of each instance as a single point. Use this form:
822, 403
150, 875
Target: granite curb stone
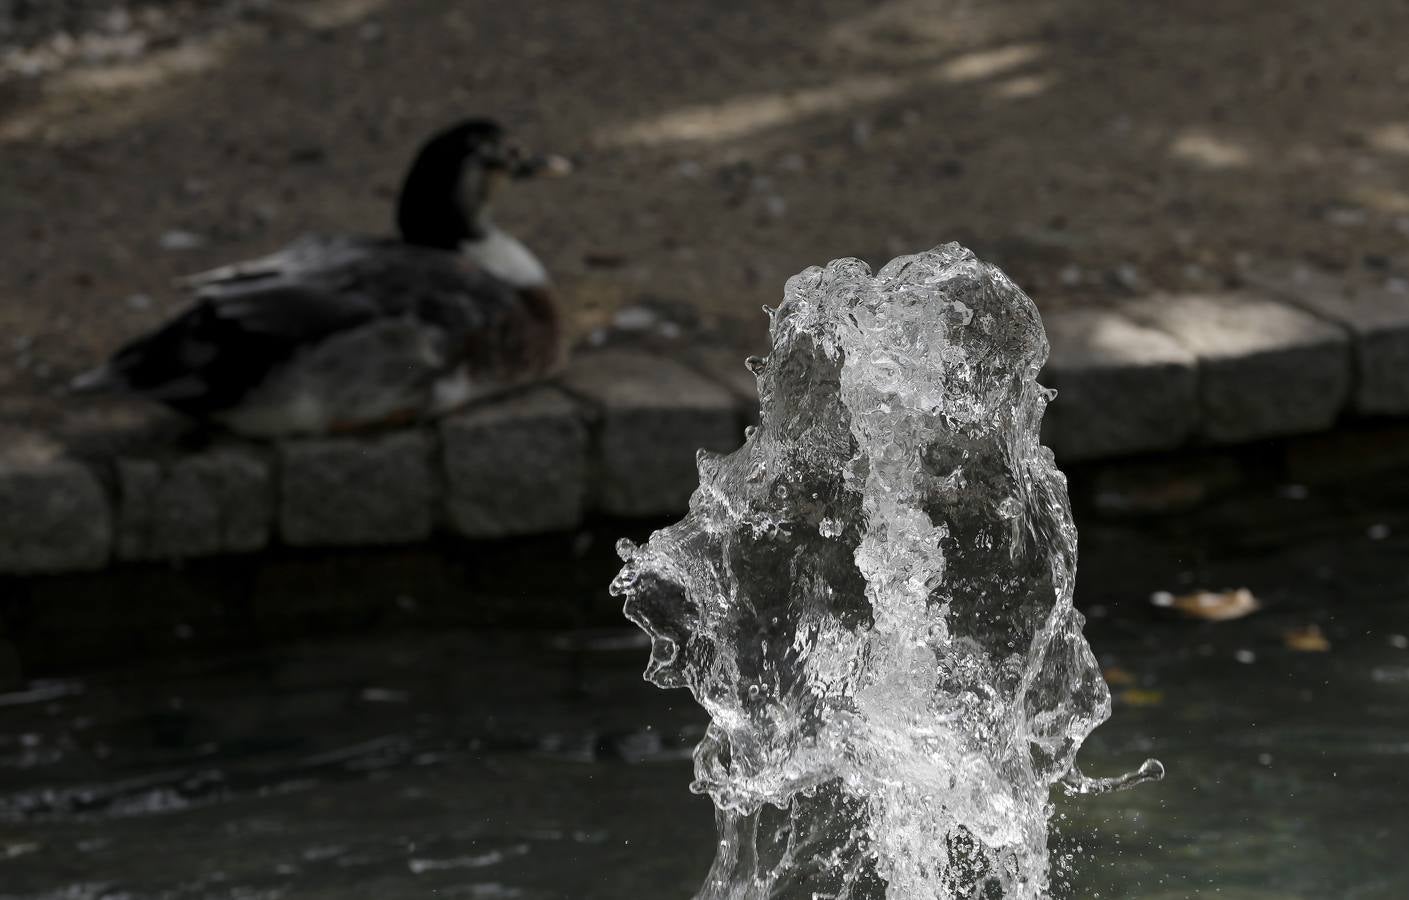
1122, 387
618, 433
653, 414
212, 502
354, 491
1377, 319
1266, 369
54, 517
515, 467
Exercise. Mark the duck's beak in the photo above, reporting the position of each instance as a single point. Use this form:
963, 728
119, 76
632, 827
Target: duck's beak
547, 165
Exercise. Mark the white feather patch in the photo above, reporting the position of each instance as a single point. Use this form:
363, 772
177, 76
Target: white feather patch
504, 257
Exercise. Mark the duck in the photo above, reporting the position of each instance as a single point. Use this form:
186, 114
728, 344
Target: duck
348, 333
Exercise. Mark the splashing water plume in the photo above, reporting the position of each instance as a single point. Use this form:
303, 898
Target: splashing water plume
872, 599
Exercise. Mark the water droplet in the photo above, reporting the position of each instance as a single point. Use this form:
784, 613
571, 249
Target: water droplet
626, 549
750, 431
1151, 769
625, 580
756, 364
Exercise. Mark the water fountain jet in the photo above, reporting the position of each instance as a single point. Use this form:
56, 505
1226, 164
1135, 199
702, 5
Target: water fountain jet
872, 599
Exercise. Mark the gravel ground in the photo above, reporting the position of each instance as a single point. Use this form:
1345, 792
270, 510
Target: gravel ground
42, 37
1097, 149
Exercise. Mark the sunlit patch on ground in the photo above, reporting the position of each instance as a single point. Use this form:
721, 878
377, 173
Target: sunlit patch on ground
103, 98
1391, 138
335, 13
742, 116
99, 83
1209, 150
1024, 87
1381, 197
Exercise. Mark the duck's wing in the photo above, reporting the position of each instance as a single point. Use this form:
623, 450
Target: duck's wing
208, 357
304, 259
249, 318
439, 286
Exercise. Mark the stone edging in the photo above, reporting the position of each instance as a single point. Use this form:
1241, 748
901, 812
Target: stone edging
618, 432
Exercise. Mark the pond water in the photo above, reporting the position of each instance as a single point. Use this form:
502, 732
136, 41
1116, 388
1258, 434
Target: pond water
521, 762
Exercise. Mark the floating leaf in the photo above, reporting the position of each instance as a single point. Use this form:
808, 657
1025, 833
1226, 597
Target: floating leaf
1307, 639
1141, 697
23, 848
1211, 606
1118, 677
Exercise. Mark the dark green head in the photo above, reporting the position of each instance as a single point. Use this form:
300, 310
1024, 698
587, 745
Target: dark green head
446, 192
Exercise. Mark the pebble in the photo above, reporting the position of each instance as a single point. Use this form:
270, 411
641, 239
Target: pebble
861, 131
1345, 216
180, 240
635, 318
117, 20
1128, 276
795, 162
1195, 272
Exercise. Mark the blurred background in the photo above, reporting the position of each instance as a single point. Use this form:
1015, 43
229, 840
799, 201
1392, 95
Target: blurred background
1093, 149
464, 718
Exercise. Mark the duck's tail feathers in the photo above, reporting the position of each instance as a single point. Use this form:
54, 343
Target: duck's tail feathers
248, 271
305, 254
99, 380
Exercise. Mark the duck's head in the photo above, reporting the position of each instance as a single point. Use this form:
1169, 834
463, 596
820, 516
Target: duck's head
444, 200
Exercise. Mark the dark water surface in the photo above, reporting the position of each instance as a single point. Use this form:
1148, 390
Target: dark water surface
448, 760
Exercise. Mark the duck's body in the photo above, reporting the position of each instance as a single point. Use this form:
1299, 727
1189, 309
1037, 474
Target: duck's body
343, 333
